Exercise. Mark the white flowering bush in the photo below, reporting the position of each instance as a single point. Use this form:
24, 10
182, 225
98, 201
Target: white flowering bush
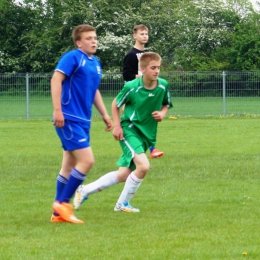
112, 49
7, 62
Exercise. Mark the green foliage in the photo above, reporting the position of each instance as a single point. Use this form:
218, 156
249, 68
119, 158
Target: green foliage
206, 25
50, 38
244, 52
189, 35
15, 21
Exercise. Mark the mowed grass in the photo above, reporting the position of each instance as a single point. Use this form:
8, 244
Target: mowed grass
40, 107
199, 201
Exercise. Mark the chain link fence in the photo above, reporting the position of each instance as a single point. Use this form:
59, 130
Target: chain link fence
197, 94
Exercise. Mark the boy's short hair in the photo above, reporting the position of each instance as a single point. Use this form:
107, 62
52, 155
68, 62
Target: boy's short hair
147, 57
141, 27
77, 32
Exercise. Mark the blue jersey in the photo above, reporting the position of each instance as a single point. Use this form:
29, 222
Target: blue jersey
83, 76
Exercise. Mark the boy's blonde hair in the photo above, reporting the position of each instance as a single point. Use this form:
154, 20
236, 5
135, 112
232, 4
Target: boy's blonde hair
141, 27
147, 57
77, 32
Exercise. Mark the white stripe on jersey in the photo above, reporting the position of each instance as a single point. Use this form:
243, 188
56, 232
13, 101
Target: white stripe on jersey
120, 103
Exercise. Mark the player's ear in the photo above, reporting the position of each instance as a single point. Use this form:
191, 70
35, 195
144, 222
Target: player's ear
78, 43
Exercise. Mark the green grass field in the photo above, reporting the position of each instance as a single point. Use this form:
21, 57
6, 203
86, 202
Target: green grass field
200, 201
40, 107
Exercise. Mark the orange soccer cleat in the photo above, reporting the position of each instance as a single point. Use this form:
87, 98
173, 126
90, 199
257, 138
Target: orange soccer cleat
156, 153
57, 219
65, 211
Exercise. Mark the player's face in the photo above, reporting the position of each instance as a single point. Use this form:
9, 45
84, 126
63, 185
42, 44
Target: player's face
141, 36
88, 42
152, 71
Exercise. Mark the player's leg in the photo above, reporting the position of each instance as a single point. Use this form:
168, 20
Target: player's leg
81, 153
104, 182
84, 162
83, 191
68, 162
132, 183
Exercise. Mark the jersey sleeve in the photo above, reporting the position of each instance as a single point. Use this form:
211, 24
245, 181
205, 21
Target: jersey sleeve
130, 68
167, 101
124, 95
67, 64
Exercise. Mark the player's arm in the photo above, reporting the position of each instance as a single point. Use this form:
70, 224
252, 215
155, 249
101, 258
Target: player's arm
159, 115
166, 104
117, 132
99, 104
56, 88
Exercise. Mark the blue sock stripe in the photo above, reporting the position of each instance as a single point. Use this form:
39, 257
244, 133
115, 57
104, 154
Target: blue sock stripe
76, 174
75, 179
62, 179
60, 185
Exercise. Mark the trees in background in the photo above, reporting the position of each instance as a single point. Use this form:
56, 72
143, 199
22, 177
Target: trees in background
189, 34
15, 22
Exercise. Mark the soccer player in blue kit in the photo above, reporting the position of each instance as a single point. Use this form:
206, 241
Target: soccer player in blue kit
74, 89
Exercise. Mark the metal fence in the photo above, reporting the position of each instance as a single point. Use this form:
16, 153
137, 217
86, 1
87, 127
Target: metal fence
27, 96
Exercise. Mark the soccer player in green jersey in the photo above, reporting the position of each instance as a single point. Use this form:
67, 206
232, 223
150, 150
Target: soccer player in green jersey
147, 100
131, 68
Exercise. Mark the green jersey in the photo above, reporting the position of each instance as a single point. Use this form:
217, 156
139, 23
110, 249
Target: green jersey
139, 105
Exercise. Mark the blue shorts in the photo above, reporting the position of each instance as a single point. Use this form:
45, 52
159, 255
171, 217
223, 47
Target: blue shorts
74, 135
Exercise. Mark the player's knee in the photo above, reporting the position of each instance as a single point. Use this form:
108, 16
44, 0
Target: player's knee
122, 174
86, 165
144, 167
91, 162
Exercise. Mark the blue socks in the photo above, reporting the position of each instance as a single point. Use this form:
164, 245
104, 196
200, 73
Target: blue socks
75, 179
151, 149
60, 184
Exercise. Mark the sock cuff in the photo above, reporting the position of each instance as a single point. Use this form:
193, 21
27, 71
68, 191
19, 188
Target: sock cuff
78, 175
134, 178
62, 179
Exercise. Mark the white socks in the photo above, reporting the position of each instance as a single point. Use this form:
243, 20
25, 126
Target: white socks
131, 185
102, 183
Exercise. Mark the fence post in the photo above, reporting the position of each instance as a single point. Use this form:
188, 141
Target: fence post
224, 92
27, 97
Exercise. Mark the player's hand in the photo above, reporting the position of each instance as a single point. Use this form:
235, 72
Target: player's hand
158, 116
109, 123
58, 119
118, 133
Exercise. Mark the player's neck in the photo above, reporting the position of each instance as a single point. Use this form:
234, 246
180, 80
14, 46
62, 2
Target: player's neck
139, 46
149, 84
90, 55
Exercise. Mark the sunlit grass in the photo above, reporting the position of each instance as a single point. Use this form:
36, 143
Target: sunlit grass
41, 107
200, 201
